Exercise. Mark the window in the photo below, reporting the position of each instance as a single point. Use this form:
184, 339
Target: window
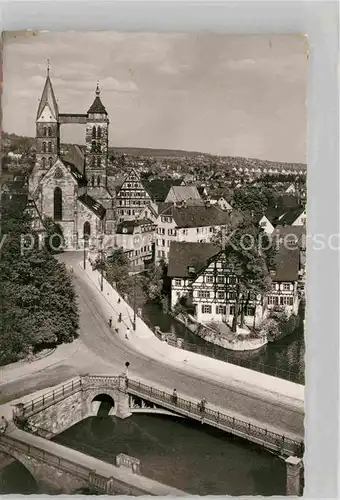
94, 132
49, 130
220, 295
221, 310
286, 301
99, 148
87, 230
263, 224
178, 282
232, 295
232, 280
98, 163
286, 286
209, 279
163, 243
273, 300
93, 146
92, 180
45, 131
50, 147
206, 309
99, 132
50, 161
44, 147
204, 294
250, 311
43, 162
58, 204
98, 180
220, 279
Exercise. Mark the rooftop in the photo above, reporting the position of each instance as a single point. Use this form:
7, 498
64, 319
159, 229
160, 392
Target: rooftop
93, 205
197, 216
183, 255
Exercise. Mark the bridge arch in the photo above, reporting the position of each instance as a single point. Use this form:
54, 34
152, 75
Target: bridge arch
13, 459
103, 404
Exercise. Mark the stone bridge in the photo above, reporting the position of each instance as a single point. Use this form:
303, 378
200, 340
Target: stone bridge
54, 412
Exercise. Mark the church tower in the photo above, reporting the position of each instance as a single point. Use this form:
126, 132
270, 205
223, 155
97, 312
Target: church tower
96, 141
47, 128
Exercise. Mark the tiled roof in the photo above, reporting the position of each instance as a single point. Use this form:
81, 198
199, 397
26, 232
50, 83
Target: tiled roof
184, 255
159, 188
182, 193
197, 216
97, 106
287, 262
75, 156
294, 235
93, 205
129, 225
75, 172
290, 216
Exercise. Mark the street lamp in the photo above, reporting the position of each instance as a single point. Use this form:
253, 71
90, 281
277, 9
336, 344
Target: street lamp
85, 239
134, 302
101, 237
127, 364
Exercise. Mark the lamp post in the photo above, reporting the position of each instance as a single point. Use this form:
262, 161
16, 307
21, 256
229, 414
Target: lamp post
101, 237
127, 364
85, 250
134, 302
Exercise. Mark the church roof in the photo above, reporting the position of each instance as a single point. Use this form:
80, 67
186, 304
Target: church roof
97, 105
75, 156
93, 205
48, 97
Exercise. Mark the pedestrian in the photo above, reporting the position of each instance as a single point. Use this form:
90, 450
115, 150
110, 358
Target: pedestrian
118, 300
3, 424
110, 321
120, 318
127, 333
174, 397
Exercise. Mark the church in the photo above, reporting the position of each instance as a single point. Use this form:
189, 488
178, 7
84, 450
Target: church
73, 190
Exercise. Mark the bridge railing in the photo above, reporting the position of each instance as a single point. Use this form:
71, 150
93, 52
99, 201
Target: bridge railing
41, 402
109, 485
279, 442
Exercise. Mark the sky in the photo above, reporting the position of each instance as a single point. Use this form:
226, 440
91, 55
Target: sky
220, 94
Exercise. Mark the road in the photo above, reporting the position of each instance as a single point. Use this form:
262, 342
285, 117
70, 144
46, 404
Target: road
109, 351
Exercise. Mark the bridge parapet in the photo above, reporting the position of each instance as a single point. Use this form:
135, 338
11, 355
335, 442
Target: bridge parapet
127, 461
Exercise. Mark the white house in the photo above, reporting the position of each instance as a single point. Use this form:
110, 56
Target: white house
196, 224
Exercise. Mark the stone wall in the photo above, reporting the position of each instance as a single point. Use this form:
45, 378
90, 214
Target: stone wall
60, 415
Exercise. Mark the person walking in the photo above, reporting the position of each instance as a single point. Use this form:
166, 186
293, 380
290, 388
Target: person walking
110, 321
127, 333
174, 397
118, 300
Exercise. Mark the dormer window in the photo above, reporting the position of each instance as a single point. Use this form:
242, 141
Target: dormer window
125, 230
191, 269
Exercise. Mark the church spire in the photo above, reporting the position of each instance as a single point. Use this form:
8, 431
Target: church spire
48, 97
98, 89
97, 105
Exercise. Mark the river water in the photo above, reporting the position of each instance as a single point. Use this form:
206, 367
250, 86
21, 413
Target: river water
178, 452
286, 356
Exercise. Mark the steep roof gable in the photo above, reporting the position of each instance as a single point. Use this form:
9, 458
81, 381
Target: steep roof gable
183, 255
48, 99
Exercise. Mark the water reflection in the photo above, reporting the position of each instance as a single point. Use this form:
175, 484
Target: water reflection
286, 354
180, 453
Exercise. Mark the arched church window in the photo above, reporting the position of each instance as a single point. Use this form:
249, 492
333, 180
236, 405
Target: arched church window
58, 204
45, 131
50, 147
98, 180
98, 163
99, 132
43, 162
50, 161
93, 162
94, 132
87, 230
93, 147
99, 149
44, 147
49, 132
92, 180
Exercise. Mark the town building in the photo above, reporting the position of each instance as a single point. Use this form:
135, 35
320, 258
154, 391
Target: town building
202, 274
184, 194
137, 238
197, 224
72, 190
